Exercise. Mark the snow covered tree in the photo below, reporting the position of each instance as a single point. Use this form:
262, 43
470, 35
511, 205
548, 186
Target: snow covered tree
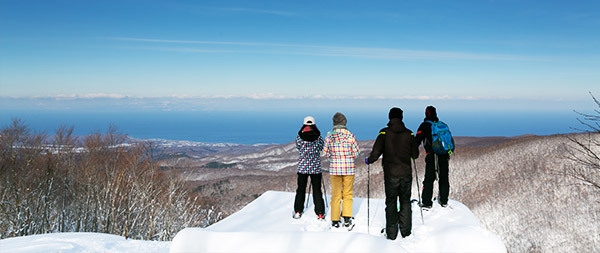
101, 183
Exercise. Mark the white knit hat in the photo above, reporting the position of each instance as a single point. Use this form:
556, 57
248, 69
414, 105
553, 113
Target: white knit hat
309, 120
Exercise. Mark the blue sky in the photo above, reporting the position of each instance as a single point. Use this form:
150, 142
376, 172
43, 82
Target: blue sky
471, 54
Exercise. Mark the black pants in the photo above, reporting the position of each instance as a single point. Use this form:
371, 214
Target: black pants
315, 180
444, 185
397, 190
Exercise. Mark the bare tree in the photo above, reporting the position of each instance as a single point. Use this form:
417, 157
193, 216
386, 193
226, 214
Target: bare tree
585, 150
102, 184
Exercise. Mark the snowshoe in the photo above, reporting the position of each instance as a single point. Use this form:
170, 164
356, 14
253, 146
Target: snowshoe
297, 215
335, 224
348, 223
425, 207
443, 205
321, 217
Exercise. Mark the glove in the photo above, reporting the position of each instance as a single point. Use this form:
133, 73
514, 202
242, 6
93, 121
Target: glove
366, 160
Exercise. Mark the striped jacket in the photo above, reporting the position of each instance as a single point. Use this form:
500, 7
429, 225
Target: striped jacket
309, 161
342, 149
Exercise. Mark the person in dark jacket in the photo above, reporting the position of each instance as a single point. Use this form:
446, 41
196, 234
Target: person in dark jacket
398, 146
310, 144
433, 162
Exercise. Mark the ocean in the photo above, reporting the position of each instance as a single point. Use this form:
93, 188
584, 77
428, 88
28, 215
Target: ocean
279, 127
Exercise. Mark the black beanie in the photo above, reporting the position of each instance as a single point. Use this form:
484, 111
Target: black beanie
430, 112
395, 113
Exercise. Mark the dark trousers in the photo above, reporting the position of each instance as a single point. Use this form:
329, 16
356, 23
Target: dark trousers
315, 180
397, 190
444, 185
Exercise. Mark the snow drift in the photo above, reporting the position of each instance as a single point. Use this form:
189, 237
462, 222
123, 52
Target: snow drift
266, 225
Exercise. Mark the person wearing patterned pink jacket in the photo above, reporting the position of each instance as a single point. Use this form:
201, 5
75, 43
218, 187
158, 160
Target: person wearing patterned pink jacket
341, 148
310, 144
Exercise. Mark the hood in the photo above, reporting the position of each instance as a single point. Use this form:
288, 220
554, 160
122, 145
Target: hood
309, 132
396, 125
338, 132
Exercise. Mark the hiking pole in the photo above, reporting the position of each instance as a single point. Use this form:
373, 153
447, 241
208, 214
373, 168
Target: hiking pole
368, 197
418, 191
308, 196
437, 168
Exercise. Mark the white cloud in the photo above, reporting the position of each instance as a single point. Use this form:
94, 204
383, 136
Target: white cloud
319, 50
78, 96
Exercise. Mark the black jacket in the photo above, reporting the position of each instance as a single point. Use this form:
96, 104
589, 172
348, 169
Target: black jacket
398, 146
424, 134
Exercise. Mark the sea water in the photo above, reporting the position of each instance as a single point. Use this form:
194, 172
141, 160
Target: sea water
245, 127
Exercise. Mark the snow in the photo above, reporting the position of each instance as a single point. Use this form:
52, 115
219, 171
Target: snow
79, 242
266, 225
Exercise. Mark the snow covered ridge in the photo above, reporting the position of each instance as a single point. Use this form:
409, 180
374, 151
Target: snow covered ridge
183, 143
266, 225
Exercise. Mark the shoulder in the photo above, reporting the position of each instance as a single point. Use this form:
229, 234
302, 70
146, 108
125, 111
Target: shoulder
347, 132
425, 124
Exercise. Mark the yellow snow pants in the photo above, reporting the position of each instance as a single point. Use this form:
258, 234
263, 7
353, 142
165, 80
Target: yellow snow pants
341, 190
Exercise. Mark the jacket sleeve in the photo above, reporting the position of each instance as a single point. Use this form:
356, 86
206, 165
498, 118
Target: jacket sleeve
298, 145
326, 146
422, 132
414, 148
320, 144
355, 151
377, 147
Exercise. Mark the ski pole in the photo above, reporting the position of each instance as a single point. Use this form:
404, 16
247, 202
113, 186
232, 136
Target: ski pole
418, 190
437, 168
368, 197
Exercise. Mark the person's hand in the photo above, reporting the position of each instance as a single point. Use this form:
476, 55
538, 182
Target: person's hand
366, 160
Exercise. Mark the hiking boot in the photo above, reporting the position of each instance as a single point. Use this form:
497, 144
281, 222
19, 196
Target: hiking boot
425, 207
321, 217
347, 221
335, 224
442, 204
297, 215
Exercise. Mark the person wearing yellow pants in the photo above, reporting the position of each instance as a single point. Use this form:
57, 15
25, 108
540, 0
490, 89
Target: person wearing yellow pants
341, 148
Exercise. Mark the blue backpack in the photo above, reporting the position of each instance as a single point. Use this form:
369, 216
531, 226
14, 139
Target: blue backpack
442, 142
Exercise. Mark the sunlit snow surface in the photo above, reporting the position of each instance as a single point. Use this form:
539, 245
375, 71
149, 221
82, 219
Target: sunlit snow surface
266, 225
79, 242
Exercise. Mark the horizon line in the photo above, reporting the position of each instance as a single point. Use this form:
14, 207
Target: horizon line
268, 96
